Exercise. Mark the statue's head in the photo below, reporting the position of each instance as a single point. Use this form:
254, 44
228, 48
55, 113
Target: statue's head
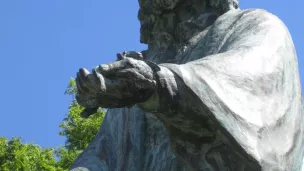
164, 16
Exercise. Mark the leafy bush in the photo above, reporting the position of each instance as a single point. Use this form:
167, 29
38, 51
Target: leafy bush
17, 156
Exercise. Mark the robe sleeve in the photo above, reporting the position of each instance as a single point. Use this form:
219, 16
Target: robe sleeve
251, 88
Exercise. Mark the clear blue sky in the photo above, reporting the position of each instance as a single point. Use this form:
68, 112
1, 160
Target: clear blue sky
44, 42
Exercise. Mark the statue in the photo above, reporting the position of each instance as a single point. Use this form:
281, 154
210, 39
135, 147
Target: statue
217, 90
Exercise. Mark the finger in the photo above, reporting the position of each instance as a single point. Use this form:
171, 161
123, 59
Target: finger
91, 83
99, 80
133, 54
112, 68
120, 57
129, 73
83, 73
86, 80
79, 89
80, 83
124, 53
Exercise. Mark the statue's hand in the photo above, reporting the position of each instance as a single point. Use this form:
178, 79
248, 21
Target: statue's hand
119, 84
130, 54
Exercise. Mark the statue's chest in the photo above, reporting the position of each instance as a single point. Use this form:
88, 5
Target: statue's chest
211, 41
203, 44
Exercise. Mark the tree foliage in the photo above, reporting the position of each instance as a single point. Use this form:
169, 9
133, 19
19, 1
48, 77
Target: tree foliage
18, 156
78, 131
26, 157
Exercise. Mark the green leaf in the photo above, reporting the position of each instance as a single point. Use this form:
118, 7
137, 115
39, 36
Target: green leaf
79, 132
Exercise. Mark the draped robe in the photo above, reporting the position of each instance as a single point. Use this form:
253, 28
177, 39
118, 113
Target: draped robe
230, 101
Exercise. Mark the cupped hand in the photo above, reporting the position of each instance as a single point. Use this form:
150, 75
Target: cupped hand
118, 84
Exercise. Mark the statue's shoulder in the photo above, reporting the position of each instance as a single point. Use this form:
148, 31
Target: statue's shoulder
249, 18
254, 15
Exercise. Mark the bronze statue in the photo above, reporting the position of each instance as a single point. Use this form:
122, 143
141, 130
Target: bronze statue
221, 93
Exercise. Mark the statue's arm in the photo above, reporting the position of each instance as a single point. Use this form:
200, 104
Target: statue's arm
248, 87
254, 48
